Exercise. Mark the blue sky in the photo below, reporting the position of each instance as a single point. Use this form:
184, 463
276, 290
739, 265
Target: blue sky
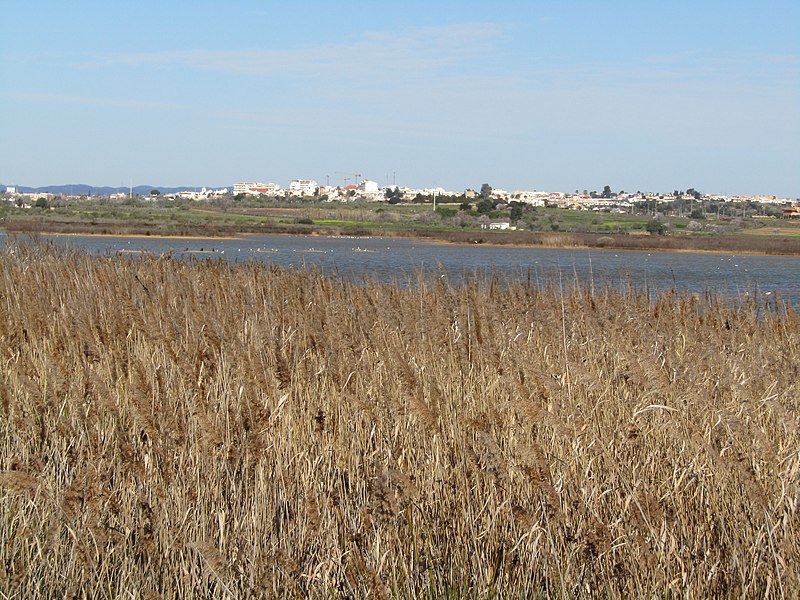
553, 95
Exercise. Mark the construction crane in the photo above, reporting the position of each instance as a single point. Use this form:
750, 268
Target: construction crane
355, 177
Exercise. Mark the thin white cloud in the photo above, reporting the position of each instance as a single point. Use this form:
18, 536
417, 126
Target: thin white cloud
688, 70
93, 101
413, 50
784, 59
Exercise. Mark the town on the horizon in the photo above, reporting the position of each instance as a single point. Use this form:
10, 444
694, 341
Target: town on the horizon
367, 190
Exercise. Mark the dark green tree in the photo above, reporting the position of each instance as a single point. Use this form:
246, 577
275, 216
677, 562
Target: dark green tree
393, 195
655, 227
486, 191
485, 206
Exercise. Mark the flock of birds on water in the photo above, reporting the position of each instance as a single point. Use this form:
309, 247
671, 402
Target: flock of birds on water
221, 251
261, 250
358, 249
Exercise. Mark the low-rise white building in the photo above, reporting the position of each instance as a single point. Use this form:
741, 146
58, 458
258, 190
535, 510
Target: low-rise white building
250, 188
303, 187
532, 198
501, 195
500, 225
203, 194
368, 186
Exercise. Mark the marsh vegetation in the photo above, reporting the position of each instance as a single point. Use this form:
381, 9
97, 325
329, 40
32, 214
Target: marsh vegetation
555, 227
198, 429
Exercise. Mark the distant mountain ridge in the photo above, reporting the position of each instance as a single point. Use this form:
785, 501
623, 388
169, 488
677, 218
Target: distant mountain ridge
82, 189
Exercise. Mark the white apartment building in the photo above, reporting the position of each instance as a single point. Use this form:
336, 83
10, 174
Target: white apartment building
303, 187
501, 195
368, 186
251, 188
243, 186
435, 191
533, 198
369, 190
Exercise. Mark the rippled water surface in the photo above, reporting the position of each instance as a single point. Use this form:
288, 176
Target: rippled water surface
390, 259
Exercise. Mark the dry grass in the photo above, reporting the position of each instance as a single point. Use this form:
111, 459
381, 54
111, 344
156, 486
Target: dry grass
771, 242
189, 429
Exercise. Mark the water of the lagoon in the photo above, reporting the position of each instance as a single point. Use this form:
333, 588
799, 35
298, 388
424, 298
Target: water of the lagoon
398, 259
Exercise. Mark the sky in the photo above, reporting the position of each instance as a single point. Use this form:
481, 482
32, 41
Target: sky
539, 94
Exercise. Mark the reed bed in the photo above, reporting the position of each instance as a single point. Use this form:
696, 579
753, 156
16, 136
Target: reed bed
182, 429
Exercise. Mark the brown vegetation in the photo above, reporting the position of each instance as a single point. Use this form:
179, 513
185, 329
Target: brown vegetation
739, 244
167, 229
196, 429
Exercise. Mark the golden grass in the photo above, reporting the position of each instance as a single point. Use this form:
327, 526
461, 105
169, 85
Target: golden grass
195, 429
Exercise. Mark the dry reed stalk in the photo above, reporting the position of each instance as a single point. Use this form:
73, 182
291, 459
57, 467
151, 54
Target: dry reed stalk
504, 439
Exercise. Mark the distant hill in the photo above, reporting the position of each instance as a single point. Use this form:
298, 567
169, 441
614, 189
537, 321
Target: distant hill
81, 189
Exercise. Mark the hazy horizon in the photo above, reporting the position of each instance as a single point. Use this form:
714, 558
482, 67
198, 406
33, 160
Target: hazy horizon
522, 95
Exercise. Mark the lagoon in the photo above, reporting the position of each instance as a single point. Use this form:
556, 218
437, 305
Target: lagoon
402, 259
